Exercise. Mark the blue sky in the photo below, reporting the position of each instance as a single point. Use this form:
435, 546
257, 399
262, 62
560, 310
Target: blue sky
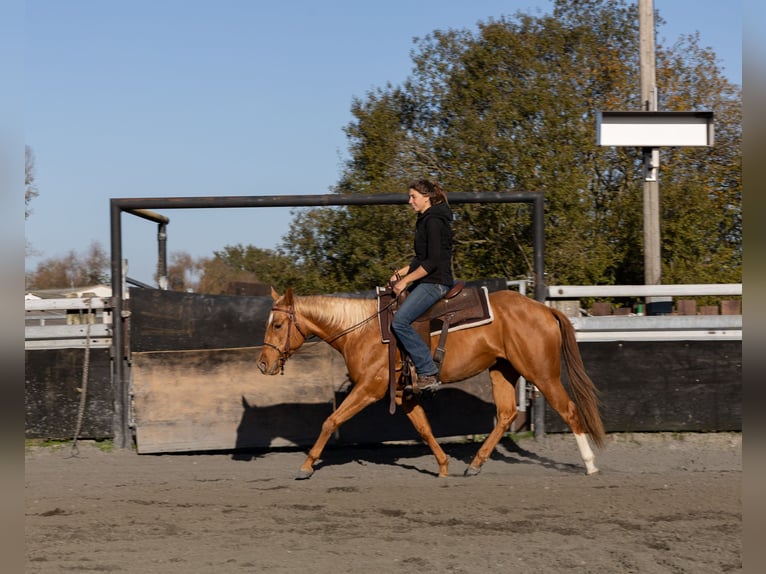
234, 97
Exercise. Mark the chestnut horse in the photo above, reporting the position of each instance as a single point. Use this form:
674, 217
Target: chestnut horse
525, 338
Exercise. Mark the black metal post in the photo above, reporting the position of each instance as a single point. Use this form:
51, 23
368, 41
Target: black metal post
538, 227
139, 205
120, 388
538, 404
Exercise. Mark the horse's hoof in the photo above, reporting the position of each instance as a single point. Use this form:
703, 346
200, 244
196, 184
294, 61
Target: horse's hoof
472, 471
591, 471
304, 474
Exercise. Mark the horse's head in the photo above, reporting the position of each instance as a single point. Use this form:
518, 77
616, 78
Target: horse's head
284, 334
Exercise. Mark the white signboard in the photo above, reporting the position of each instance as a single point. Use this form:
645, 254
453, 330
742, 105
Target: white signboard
655, 129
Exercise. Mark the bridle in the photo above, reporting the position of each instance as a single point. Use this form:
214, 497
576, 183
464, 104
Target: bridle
285, 354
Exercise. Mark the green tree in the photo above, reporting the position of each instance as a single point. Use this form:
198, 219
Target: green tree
238, 263
701, 188
182, 272
74, 269
512, 106
520, 110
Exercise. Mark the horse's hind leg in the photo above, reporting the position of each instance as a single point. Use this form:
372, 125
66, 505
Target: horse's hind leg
558, 398
504, 394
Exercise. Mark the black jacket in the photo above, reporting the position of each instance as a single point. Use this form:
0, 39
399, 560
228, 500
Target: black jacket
433, 244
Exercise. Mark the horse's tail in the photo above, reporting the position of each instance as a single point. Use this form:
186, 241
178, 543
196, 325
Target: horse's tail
584, 391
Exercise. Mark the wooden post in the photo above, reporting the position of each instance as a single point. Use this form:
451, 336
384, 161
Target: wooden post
651, 211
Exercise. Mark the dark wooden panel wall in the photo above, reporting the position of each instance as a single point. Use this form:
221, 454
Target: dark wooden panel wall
169, 320
53, 379
664, 385
173, 321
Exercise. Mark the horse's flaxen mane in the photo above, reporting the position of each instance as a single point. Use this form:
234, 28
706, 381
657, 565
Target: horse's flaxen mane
336, 312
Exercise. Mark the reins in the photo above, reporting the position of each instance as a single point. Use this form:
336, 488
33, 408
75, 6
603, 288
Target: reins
355, 327
285, 354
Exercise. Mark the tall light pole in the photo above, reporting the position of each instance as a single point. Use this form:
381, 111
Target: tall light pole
651, 155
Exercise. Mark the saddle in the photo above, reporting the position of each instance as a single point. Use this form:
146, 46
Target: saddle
461, 308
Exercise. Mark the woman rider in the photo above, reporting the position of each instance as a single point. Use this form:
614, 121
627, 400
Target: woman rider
429, 273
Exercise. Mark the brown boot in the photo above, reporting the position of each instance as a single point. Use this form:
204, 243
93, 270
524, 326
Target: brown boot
428, 383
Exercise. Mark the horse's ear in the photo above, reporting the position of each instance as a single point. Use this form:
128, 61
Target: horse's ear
274, 294
289, 296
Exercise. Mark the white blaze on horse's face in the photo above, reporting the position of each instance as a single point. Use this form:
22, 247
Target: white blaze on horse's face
265, 365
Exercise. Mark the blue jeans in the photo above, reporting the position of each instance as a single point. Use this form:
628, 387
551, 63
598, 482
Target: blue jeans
417, 302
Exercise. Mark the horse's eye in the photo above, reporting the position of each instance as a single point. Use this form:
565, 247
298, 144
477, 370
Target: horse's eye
277, 326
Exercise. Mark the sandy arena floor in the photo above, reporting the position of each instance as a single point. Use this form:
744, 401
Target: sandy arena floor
662, 503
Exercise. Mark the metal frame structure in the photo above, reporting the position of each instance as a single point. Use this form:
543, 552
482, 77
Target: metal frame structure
142, 207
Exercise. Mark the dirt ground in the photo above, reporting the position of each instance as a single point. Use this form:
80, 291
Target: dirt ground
662, 503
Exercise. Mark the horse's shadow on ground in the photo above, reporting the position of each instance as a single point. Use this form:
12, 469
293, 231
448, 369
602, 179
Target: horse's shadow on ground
299, 422
410, 456
407, 456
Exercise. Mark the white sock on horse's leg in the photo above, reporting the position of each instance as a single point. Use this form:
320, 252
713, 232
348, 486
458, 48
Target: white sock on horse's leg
586, 453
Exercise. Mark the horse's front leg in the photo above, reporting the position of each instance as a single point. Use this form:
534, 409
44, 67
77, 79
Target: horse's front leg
414, 411
357, 400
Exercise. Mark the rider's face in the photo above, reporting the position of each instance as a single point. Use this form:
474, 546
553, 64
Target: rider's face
418, 201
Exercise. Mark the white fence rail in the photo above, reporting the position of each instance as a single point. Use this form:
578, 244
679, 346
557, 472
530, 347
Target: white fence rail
66, 304
658, 328
653, 328
61, 323
700, 290
67, 323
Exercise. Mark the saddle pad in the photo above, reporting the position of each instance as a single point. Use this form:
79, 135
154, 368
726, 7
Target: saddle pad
469, 308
